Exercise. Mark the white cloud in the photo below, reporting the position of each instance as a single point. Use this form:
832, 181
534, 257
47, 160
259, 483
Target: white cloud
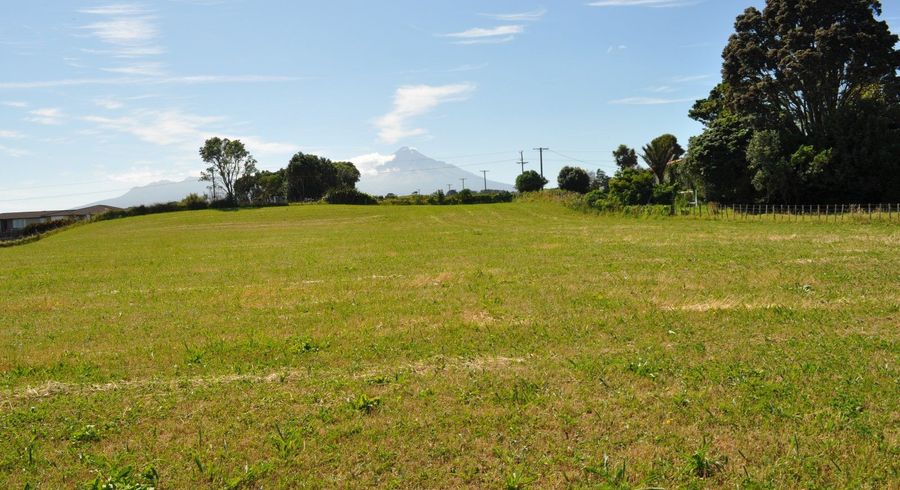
109, 103
487, 35
142, 69
183, 130
160, 127
650, 101
14, 152
13, 135
256, 145
411, 101
643, 3
468, 67
49, 116
130, 29
531, 16
691, 78
370, 163
614, 48
175, 80
15, 103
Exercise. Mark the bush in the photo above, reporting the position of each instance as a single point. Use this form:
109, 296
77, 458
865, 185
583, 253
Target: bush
349, 196
631, 186
38, 228
530, 181
574, 179
194, 201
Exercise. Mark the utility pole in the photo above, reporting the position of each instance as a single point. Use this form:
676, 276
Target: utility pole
463, 184
449, 188
522, 161
485, 179
542, 150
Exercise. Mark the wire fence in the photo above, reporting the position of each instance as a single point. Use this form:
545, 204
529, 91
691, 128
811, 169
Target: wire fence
796, 212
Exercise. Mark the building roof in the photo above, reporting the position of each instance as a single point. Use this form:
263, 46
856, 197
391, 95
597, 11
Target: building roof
88, 211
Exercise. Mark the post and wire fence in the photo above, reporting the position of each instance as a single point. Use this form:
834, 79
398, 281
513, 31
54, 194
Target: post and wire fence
793, 212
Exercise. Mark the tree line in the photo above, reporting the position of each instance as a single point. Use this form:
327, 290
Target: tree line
807, 111
232, 170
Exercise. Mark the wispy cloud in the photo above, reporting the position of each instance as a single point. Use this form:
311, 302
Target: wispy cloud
12, 135
531, 16
170, 80
614, 48
644, 3
14, 152
160, 127
109, 103
468, 67
139, 69
183, 130
411, 101
487, 35
50, 116
129, 29
650, 101
15, 103
691, 78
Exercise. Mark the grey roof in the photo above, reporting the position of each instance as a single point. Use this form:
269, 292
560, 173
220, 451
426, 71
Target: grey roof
88, 211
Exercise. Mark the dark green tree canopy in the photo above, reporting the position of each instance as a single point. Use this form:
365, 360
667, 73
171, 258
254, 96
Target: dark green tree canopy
800, 62
310, 177
530, 181
814, 85
625, 157
574, 179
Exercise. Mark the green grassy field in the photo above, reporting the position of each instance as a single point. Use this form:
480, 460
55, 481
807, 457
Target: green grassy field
501, 346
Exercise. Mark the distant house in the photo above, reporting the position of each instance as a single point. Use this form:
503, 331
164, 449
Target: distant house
12, 224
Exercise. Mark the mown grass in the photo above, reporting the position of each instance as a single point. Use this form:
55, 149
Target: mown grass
511, 345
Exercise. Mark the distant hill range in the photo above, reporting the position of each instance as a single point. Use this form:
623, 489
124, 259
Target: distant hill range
157, 192
409, 171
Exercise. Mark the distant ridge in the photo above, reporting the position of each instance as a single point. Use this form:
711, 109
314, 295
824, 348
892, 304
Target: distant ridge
157, 192
410, 171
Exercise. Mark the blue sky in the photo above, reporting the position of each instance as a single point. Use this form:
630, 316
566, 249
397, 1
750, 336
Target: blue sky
98, 97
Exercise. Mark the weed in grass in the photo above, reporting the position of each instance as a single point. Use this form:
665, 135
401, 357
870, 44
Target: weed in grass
704, 464
364, 404
88, 433
644, 367
124, 478
517, 480
287, 441
613, 477
305, 346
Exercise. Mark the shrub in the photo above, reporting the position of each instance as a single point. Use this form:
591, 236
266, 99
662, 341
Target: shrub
632, 186
574, 179
530, 181
194, 201
349, 196
38, 228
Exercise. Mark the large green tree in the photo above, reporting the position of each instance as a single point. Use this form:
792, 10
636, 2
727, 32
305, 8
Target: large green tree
821, 75
228, 161
574, 179
659, 153
625, 157
309, 177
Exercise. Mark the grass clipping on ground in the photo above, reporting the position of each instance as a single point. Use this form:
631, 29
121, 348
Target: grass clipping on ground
508, 345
